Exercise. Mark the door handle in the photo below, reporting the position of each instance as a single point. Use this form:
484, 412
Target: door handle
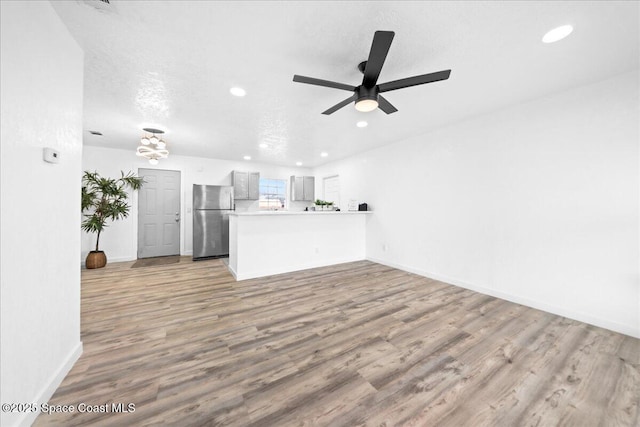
177, 216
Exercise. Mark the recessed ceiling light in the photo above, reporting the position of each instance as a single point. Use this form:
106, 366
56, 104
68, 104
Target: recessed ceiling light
298, 163
263, 145
557, 34
362, 124
324, 154
237, 91
247, 157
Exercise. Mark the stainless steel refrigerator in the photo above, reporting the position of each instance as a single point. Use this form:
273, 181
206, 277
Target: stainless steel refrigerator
211, 207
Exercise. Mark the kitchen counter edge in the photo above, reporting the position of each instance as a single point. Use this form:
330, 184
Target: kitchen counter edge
275, 213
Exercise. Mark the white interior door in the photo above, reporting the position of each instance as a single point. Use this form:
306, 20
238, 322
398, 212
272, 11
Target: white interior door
159, 213
331, 189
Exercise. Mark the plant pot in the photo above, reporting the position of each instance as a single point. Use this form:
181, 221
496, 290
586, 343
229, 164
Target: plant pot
96, 259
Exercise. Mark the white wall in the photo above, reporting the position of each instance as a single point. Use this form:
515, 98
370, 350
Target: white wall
41, 99
120, 241
538, 203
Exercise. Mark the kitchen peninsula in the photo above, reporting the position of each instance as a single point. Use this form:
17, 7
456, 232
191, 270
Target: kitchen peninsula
273, 242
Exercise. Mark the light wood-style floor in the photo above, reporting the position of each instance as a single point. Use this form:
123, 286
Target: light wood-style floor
347, 345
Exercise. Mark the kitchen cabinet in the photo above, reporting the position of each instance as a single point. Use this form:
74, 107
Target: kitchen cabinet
303, 188
246, 185
254, 185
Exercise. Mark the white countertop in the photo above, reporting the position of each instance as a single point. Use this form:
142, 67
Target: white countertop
270, 213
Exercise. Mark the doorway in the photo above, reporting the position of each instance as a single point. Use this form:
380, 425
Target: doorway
331, 189
159, 213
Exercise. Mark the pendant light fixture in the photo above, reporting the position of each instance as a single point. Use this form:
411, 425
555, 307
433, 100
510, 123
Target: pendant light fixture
152, 147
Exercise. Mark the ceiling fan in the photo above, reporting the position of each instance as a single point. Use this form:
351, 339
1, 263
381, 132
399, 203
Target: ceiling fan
367, 96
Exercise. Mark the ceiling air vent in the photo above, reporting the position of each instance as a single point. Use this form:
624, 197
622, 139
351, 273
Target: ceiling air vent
101, 5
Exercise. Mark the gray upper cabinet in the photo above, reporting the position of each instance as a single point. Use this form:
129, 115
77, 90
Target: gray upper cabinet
254, 185
309, 188
297, 188
240, 182
302, 188
245, 185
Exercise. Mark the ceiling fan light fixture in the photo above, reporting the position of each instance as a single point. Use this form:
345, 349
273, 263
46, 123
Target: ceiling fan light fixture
366, 105
366, 95
144, 140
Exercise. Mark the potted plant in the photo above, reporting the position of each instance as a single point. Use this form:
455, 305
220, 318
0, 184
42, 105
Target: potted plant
104, 199
322, 204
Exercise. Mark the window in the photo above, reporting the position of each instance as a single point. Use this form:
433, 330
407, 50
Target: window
272, 193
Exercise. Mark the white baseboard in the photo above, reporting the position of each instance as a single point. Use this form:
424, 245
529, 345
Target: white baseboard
232, 271
121, 259
128, 258
114, 259
131, 258
52, 385
549, 308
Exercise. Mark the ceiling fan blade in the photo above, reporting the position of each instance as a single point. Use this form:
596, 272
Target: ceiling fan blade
339, 105
379, 49
325, 83
385, 105
414, 81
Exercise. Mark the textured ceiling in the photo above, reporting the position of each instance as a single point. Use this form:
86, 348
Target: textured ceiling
170, 64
